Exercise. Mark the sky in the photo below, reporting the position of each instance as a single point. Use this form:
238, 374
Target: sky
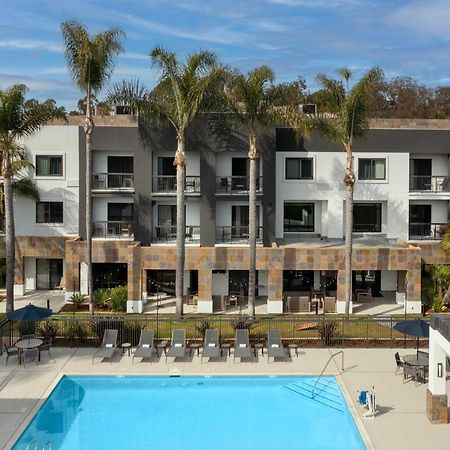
294, 37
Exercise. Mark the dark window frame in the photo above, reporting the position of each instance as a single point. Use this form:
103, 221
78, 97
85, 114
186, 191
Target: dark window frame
299, 168
49, 210
49, 157
305, 228
372, 175
365, 228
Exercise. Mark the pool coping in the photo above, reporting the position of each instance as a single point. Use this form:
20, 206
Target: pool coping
338, 375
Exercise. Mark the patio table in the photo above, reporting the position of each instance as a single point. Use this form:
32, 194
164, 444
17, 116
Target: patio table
417, 360
27, 344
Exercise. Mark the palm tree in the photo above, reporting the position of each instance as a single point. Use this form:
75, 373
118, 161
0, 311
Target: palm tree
17, 121
347, 120
90, 60
255, 102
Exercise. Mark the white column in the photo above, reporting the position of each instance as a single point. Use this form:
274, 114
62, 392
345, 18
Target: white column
436, 385
83, 278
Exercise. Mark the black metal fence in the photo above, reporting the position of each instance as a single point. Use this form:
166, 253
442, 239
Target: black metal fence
311, 331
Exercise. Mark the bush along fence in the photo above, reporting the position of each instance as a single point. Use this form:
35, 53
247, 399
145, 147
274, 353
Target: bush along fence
75, 331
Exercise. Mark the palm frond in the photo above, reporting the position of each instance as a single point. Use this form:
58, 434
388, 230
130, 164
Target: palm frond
333, 89
133, 95
24, 187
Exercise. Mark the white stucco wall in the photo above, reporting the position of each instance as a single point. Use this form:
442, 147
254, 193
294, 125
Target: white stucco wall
224, 211
192, 211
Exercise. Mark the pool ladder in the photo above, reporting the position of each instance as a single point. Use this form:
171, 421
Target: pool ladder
35, 445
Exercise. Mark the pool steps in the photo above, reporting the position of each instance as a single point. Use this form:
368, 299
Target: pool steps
320, 391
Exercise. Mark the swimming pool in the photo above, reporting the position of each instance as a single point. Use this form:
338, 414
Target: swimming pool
165, 413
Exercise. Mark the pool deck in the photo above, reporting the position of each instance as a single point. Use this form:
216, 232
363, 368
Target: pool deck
401, 422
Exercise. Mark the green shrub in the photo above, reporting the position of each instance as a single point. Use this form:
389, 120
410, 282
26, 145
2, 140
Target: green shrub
131, 332
76, 330
119, 297
244, 323
437, 304
102, 298
328, 332
78, 299
202, 327
48, 329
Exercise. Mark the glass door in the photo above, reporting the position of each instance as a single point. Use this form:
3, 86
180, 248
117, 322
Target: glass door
48, 273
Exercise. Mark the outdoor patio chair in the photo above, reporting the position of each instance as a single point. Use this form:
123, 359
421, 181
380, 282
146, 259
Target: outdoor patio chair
242, 347
177, 348
45, 347
10, 351
219, 303
28, 353
364, 296
275, 348
108, 346
211, 346
146, 347
411, 372
329, 305
398, 362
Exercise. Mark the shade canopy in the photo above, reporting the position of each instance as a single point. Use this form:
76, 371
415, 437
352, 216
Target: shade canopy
29, 313
416, 327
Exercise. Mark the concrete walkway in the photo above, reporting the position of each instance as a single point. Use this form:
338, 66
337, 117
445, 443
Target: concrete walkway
38, 298
400, 424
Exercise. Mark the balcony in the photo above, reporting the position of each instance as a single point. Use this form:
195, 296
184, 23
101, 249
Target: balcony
167, 184
236, 185
167, 234
113, 230
236, 235
427, 231
428, 183
113, 182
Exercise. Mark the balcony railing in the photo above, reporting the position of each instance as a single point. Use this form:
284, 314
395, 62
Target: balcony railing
428, 183
168, 234
427, 231
165, 184
113, 229
236, 234
113, 181
235, 185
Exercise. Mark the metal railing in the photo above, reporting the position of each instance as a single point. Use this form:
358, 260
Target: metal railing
235, 184
113, 181
168, 183
427, 231
237, 234
168, 234
428, 183
306, 331
113, 229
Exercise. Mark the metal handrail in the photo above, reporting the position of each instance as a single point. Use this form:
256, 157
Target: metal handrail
112, 181
326, 365
428, 183
235, 184
168, 183
427, 231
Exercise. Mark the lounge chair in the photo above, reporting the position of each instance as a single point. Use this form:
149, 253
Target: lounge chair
275, 348
146, 347
242, 347
400, 364
177, 348
211, 347
108, 346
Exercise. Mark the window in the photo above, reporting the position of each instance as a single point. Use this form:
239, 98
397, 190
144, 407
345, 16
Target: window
49, 212
51, 166
372, 169
120, 212
367, 217
298, 280
299, 217
299, 169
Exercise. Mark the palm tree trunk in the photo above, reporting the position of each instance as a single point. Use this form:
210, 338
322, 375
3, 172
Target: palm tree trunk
349, 181
253, 156
89, 128
180, 162
10, 236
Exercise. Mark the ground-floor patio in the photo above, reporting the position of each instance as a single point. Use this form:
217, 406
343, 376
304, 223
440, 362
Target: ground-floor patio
401, 422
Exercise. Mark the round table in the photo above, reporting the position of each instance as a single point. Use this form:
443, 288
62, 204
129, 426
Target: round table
195, 346
28, 344
227, 347
162, 346
126, 347
259, 346
417, 360
291, 347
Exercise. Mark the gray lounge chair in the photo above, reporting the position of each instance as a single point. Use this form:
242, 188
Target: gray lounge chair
275, 348
242, 347
211, 347
108, 346
177, 348
146, 347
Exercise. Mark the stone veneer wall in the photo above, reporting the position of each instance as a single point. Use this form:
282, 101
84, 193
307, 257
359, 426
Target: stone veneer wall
432, 253
273, 259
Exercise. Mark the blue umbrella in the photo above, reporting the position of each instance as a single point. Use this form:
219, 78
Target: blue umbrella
29, 313
416, 327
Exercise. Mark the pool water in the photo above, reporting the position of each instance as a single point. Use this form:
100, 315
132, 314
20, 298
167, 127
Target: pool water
174, 413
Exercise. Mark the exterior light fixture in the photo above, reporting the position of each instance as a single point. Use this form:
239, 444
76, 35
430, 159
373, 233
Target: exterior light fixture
439, 370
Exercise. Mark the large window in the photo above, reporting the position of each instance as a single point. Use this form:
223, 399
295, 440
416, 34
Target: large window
299, 169
372, 169
299, 217
49, 165
120, 212
49, 212
367, 217
298, 280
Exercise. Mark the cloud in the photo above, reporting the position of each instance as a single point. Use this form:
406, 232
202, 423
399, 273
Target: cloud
316, 3
31, 44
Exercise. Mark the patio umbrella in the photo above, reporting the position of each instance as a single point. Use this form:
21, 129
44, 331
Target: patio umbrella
416, 327
29, 313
